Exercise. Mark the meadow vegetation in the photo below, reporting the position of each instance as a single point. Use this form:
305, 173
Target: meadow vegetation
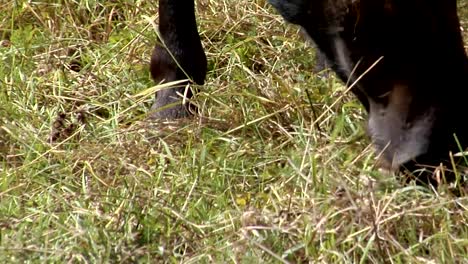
276, 168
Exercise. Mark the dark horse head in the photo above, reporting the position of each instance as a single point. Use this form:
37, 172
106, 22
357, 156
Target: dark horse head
408, 67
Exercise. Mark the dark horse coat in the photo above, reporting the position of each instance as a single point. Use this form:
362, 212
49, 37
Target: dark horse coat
405, 58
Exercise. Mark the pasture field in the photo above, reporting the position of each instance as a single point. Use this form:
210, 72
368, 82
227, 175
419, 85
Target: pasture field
277, 167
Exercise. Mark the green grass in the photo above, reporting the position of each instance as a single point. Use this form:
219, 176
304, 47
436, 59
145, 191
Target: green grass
267, 175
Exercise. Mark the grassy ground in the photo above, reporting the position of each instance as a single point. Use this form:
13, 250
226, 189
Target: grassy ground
278, 170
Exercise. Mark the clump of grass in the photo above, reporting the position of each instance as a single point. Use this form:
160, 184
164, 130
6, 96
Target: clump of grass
275, 169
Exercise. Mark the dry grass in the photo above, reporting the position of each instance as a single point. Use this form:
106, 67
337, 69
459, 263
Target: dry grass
266, 174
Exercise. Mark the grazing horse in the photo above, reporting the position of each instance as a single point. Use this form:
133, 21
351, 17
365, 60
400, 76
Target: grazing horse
404, 59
